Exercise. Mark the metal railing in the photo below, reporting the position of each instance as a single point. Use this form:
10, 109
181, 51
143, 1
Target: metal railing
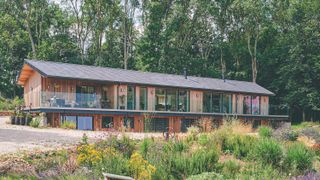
278, 110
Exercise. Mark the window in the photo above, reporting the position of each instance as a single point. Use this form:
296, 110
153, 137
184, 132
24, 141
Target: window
183, 105
226, 103
131, 98
107, 122
107, 97
128, 122
247, 105
207, 102
171, 100
86, 96
68, 119
156, 124
255, 105
160, 104
143, 98
186, 123
216, 101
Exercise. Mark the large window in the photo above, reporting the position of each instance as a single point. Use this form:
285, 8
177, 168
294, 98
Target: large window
68, 119
216, 102
143, 98
156, 124
183, 105
107, 122
128, 122
226, 103
255, 104
171, 100
247, 105
207, 102
131, 98
160, 104
107, 100
86, 96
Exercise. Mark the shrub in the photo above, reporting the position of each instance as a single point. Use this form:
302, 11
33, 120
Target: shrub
286, 135
140, 168
206, 176
231, 168
311, 132
203, 139
35, 122
267, 151
144, 147
239, 145
265, 131
299, 157
193, 131
184, 165
68, 125
179, 147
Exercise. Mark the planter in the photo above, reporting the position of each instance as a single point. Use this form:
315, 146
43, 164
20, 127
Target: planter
23, 121
13, 119
28, 121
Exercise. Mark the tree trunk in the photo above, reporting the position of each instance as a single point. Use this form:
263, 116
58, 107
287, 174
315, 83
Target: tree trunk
125, 38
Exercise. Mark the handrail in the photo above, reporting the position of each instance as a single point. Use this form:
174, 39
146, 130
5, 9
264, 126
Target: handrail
108, 176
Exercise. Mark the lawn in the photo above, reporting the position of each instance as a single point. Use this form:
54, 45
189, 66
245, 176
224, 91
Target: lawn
226, 153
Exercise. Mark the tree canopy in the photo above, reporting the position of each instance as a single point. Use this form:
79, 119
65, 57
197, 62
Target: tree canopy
273, 43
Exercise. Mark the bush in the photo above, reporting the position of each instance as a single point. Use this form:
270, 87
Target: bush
203, 139
144, 147
206, 176
267, 151
193, 131
299, 157
239, 145
140, 168
184, 165
35, 122
68, 125
265, 131
230, 168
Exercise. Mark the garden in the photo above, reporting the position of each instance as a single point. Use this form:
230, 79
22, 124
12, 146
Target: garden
230, 152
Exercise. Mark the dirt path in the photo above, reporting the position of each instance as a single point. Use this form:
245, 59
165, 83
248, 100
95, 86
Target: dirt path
14, 138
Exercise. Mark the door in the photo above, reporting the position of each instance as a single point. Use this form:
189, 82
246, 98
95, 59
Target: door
85, 123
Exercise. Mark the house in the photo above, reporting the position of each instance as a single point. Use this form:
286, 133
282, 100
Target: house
100, 98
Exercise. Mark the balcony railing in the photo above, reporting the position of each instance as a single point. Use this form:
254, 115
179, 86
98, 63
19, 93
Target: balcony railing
73, 100
278, 110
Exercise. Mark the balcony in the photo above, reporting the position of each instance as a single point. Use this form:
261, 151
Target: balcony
74, 100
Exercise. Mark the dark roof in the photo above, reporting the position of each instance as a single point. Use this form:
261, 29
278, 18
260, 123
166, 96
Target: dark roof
94, 73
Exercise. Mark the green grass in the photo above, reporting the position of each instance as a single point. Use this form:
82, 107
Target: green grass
304, 125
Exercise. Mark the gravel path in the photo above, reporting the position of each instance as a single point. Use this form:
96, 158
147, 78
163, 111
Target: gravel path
14, 138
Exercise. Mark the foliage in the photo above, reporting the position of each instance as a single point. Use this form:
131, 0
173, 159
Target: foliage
299, 158
239, 145
200, 161
231, 168
311, 132
265, 131
206, 176
140, 168
68, 125
144, 146
35, 122
10, 104
267, 151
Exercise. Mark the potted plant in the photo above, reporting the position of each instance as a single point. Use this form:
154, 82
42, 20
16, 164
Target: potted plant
28, 118
13, 117
23, 119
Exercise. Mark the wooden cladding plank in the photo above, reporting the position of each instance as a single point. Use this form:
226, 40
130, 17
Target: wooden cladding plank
240, 103
264, 107
196, 101
234, 103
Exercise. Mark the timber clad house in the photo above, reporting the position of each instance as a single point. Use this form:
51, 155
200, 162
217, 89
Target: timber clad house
99, 98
